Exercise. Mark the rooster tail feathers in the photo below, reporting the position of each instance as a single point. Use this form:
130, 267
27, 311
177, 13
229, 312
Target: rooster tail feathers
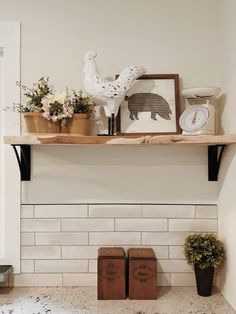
138, 68
129, 75
132, 72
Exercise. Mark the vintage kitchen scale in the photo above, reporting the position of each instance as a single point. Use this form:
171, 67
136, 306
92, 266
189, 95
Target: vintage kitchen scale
199, 117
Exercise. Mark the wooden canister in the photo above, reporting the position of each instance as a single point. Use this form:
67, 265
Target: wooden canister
142, 267
111, 274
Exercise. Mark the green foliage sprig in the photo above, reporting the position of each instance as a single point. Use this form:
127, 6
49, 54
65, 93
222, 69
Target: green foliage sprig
204, 250
81, 103
34, 96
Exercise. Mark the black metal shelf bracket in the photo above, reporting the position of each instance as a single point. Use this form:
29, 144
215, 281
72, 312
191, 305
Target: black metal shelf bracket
24, 161
23, 157
214, 158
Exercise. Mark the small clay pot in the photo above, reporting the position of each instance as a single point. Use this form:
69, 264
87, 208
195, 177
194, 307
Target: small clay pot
78, 124
36, 123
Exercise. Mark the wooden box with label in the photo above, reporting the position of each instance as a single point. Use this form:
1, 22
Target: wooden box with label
111, 274
142, 274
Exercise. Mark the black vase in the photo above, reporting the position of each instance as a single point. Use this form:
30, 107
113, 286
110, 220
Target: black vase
204, 279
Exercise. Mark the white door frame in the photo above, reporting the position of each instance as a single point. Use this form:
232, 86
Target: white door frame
9, 125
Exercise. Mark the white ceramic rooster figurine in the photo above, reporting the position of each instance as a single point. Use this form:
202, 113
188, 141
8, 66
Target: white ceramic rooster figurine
109, 94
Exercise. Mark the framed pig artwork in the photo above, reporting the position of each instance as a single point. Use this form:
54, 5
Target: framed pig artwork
151, 106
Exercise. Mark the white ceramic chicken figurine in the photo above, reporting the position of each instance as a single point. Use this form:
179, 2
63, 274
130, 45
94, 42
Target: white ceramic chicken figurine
109, 94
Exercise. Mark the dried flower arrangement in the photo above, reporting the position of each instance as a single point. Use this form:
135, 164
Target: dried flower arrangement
41, 102
57, 107
34, 96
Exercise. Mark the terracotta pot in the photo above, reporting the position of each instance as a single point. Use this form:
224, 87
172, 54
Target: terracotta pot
36, 123
78, 124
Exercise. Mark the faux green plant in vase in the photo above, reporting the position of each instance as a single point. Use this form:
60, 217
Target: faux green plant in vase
32, 107
33, 96
83, 109
205, 252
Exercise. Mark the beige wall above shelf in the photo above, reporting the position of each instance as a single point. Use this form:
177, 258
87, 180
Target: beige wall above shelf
73, 139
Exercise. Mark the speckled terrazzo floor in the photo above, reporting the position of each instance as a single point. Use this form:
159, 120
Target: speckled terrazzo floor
84, 301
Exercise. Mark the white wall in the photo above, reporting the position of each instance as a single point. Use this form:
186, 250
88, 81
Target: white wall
164, 35
227, 197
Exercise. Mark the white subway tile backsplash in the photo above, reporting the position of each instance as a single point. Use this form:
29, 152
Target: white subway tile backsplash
173, 266
61, 266
87, 225
62, 238
182, 280
193, 225
37, 225
27, 238
161, 251
40, 252
115, 238
163, 238
206, 211
176, 252
27, 211
83, 280
93, 266
27, 266
79, 252
38, 280
59, 243
163, 279
60, 211
141, 224
113, 211
188, 280
168, 211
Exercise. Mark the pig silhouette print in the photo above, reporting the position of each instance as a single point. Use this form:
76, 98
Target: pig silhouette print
148, 102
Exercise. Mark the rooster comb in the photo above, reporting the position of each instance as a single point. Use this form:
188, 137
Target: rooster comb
90, 55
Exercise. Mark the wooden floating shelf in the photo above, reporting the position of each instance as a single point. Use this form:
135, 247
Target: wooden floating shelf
73, 139
215, 143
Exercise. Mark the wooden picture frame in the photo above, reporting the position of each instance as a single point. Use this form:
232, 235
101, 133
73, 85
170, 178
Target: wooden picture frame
152, 106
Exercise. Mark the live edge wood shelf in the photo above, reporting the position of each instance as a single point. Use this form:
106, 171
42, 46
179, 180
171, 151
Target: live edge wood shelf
216, 145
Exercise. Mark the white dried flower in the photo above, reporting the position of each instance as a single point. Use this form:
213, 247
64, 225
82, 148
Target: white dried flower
57, 107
